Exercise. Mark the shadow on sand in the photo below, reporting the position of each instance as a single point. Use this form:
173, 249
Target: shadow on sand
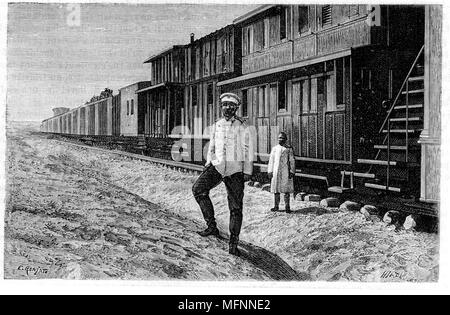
269, 262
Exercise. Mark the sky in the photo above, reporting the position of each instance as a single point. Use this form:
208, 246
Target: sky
60, 55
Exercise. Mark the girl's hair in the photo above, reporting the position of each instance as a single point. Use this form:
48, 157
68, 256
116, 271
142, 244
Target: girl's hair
284, 134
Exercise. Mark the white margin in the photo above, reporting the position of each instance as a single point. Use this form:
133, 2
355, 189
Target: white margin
235, 288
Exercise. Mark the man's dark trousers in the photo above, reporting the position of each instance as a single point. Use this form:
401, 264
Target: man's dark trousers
210, 179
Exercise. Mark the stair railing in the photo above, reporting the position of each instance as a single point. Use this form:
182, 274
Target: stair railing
401, 89
388, 121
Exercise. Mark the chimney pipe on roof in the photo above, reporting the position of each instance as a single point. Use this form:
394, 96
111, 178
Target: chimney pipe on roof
192, 38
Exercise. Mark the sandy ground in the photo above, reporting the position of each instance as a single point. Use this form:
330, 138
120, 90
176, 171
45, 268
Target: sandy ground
82, 214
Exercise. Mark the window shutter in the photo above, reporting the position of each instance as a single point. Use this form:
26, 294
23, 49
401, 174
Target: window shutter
326, 15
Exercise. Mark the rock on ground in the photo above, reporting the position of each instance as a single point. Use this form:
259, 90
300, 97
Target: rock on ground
301, 196
330, 202
392, 217
412, 222
350, 206
312, 198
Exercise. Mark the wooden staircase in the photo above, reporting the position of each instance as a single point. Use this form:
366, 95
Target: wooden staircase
396, 166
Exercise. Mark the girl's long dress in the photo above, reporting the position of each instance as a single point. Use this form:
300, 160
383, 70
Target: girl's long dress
281, 163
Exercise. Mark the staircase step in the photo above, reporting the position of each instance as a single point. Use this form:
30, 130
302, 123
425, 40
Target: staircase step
401, 131
413, 91
404, 119
377, 162
420, 78
415, 106
356, 174
382, 187
339, 189
393, 147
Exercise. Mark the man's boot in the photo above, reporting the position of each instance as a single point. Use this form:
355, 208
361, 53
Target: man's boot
234, 246
211, 230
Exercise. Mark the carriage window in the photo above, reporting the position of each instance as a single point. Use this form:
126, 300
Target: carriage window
128, 108
224, 54
340, 81
330, 93
262, 102
249, 40
282, 106
245, 103
194, 95
283, 25
132, 107
193, 63
303, 19
210, 96
305, 98
366, 78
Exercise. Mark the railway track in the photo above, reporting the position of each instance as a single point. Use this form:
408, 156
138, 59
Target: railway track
404, 206
174, 164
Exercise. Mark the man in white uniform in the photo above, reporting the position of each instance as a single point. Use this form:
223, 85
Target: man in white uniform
230, 160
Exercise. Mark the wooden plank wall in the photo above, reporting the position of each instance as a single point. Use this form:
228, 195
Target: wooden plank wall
318, 128
91, 117
431, 135
83, 120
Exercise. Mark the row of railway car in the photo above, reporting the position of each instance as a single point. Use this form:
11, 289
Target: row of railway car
354, 86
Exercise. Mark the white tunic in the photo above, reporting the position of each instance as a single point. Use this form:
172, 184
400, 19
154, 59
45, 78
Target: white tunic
231, 147
281, 163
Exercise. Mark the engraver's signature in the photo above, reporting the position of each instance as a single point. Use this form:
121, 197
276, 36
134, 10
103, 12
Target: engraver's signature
33, 270
391, 275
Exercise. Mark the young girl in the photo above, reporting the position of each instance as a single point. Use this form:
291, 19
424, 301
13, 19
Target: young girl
281, 171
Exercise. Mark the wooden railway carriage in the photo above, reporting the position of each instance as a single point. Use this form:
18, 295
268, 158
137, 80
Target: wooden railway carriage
357, 89
208, 60
325, 74
161, 103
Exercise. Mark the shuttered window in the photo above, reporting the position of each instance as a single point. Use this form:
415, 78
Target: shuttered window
326, 15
